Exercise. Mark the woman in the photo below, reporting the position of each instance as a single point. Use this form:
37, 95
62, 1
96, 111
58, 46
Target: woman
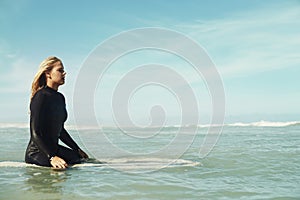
47, 116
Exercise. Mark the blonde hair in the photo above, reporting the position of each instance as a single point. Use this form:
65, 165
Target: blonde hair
39, 80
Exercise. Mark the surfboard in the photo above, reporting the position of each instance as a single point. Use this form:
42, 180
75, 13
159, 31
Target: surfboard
117, 163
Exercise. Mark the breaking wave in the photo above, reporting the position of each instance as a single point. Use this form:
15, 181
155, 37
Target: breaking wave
236, 124
267, 124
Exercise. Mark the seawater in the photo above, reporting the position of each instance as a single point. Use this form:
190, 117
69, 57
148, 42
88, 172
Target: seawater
248, 162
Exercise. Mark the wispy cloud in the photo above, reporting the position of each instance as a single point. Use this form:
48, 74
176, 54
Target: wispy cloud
17, 76
256, 41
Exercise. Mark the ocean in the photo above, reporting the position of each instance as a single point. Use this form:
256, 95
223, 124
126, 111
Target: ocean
250, 161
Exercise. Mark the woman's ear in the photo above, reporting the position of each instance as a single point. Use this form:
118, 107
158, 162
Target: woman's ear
48, 75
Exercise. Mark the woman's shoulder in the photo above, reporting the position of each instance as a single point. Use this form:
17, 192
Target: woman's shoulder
40, 94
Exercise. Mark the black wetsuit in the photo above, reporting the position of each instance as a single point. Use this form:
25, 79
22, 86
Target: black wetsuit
47, 116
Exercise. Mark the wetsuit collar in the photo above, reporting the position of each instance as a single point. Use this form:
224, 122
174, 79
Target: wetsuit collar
49, 88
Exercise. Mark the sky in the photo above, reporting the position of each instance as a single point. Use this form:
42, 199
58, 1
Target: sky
255, 46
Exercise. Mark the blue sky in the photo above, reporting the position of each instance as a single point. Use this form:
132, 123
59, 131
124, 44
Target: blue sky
255, 46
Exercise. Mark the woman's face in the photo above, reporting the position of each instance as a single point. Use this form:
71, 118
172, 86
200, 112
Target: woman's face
57, 74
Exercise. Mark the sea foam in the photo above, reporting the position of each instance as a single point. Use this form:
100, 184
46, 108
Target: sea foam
261, 123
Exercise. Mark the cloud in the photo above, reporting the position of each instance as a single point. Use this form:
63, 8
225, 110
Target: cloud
16, 76
256, 41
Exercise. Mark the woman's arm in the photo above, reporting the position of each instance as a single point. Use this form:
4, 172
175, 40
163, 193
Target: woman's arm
66, 138
36, 123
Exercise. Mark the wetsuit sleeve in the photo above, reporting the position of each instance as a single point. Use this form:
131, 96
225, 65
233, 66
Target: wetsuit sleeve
66, 138
37, 117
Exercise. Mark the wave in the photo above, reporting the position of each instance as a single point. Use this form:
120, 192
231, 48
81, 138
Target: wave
266, 124
243, 124
236, 124
14, 125
26, 125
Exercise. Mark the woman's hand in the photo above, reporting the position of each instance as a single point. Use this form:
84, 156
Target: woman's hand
82, 154
58, 162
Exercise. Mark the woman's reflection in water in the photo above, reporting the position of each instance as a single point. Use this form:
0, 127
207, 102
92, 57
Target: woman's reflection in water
45, 180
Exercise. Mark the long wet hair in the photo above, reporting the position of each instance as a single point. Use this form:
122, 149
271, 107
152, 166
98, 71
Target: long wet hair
40, 79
